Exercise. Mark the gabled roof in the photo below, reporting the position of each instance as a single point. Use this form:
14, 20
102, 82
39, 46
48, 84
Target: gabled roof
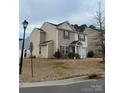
63, 23
76, 42
52, 24
90, 29
58, 25
68, 24
41, 30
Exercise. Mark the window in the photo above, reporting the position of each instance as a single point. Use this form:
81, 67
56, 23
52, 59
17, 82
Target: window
67, 50
81, 37
66, 35
64, 50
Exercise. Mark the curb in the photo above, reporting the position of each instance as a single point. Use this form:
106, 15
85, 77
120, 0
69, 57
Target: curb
60, 82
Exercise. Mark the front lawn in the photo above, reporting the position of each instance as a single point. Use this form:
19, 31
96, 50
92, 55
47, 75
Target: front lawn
53, 69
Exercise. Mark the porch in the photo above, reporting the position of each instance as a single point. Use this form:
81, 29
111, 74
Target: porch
77, 48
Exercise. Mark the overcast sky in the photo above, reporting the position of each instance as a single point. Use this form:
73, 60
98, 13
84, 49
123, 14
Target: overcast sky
38, 11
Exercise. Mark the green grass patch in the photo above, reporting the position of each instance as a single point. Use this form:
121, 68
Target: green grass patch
58, 65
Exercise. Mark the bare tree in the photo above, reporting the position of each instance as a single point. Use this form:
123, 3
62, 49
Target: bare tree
100, 19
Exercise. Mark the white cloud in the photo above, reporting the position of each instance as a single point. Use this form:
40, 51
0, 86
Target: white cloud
57, 11
82, 18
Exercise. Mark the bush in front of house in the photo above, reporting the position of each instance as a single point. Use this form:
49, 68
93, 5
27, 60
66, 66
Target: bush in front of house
57, 54
72, 55
90, 54
77, 56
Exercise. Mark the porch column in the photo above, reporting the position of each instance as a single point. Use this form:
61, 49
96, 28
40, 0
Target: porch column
75, 49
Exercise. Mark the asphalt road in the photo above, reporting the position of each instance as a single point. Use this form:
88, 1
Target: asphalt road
84, 87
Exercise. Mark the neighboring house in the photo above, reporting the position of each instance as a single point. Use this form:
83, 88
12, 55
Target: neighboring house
93, 41
51, 37
26, 46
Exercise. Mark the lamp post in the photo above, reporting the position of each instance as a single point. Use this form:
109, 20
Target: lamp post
25, 23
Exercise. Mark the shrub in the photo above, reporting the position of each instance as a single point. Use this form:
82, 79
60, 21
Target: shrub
57, 54
77, 56
90, 54
72, 55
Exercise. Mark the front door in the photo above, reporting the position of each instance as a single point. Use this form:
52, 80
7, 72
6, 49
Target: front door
79, 51
82, 52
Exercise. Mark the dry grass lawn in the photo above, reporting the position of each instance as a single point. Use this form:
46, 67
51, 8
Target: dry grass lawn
52, 69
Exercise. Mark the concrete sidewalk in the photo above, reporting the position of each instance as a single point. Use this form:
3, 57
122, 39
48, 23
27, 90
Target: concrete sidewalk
59, 82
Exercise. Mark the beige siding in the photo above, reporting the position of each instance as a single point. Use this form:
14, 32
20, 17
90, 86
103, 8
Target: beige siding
35, 39
51, 34
65, 26
47, 50
42, 37
65, 42
93, 41
50, 49
44, 51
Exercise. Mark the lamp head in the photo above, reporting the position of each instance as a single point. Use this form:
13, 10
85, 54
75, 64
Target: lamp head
25, 24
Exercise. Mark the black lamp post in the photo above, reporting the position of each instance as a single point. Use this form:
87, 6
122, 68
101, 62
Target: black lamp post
25, 23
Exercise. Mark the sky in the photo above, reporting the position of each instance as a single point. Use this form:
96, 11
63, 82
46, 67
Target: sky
36, 12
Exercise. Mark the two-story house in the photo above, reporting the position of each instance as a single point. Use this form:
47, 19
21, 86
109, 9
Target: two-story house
51, 37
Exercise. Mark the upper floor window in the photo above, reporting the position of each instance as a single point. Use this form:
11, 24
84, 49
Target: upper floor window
81, 37
66, 35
